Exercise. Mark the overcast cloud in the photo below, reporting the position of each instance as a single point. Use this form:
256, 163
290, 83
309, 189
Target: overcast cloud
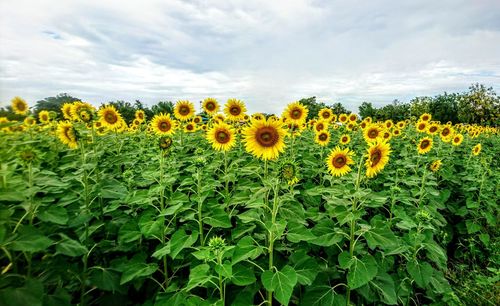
267, 53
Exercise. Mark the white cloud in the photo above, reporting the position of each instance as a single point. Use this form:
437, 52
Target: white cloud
267, 53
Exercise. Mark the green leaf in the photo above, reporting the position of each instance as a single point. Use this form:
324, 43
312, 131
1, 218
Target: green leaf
361, 271
305, 266
198, 276
245, 249
113, 189
226, 269
218, 218
384, 285
322, 295
70, 247
150, 225
281, 283
137, 270
180, 240
54, 214
31, 241
243, 276
105, 279
30, 294
129, 232
420, 272
381, 236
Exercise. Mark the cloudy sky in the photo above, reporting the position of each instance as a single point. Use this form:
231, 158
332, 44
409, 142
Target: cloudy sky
267, 53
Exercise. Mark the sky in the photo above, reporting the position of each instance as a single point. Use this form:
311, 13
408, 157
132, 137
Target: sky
266, 53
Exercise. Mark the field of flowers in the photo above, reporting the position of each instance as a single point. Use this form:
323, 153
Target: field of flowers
230, 208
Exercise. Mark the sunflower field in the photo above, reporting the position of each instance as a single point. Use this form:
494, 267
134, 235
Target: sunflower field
231, 208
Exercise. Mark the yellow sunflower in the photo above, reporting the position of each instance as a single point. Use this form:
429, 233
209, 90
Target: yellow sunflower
140, 115
353, 117
425, 117
235, 109
457, 139
396, 132
44, 117
351, 126
295, 113
401, 124
325, 114
368, 120
388, 124
19, 106
433, 128
29, 121
421, 126
67, 134
258, 116
66, 111
183, 110
343, 118
322, 138
197, 119
219, 118
446, 133
386, 135
163, 125
345, 139
190, 127
82, 111
338, 161
372, 133
265, 139
210, 106
110, 117
435, 165
363, 124
221, 136
320, 125
425, 145
296, 129
476, 149
378, 157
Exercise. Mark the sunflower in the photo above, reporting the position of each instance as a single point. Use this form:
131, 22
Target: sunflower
82, 111
345, 139
67, 134
343, 118
425, 145
421, 126
433, 128
219, 118
338, 161
210, 106
435, 165
322, 138
190, 127
295, 113
476, 149
44, 117
295, 129
197, 119
457, 139
140, 115
353, 117
320, 125
368, 120
110, 117
446, 133
163, 125
19, 106
388, 124
326, 114
66, 111
363, 124
258, 116
289, 173
378, 157
396, 132
351, 126
221, 136
401, 124
183, 110
29, 121
425, 117
265, 139
372, 133
235, 109
386, 135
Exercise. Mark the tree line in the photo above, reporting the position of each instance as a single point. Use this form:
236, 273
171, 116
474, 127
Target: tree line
479, 105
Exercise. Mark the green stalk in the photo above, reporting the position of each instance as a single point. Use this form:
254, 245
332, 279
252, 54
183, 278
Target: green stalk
221, 284
163, 229
225, 175
352, 240
87, 209
200, 206
272, 238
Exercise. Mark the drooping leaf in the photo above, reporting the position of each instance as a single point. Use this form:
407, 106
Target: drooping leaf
361, 271
281, 283
243, 276
137, 270
70, 247
421, 272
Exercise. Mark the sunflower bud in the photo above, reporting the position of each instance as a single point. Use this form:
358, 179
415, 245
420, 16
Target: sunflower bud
165, 143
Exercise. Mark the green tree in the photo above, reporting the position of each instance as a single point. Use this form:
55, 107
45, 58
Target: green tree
312, 106
444, 107
54, 104
166, 107
420, 105
366, 109
338, 108
479, 105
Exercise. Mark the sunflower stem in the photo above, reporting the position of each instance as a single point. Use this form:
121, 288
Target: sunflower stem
163, 228
87, 210
200, 206
271, 237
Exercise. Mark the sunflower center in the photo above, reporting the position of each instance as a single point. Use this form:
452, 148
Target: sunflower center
189, 127
319, 127
222, 137
210, 106
184, 110
267, 136
353, 118
326, 115
164, 126
339, 161
140, 116
425, 118
433, 129
446, 131
375, 157
296, 114
197, 120
425, 143
235, 110
110, 118
323, 137
344, 139
421, 126
21, 106
372, 133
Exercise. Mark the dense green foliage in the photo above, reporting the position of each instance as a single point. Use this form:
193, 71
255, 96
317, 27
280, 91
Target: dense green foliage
118, 221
